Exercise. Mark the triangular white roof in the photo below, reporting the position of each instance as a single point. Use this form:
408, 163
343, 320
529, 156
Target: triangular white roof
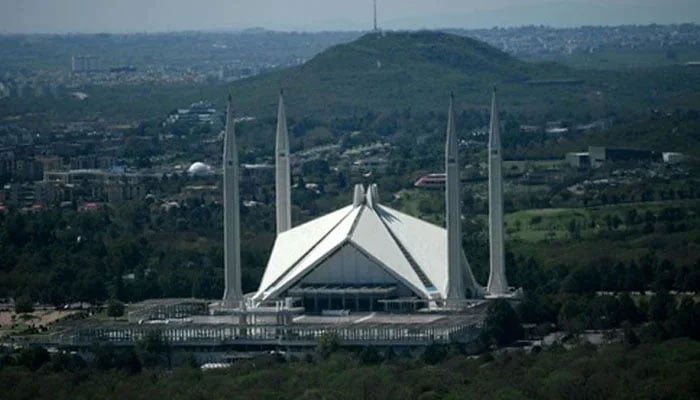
293, 246
411, 250
375, 239
427, 244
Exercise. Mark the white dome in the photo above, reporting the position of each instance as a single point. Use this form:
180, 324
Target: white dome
199, 168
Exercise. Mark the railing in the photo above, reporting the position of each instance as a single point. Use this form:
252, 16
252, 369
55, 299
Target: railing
180, 309
234, 334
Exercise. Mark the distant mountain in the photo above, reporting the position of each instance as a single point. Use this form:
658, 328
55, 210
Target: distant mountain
394, 71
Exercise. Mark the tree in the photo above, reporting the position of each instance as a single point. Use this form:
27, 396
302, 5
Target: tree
604, 312
434, 353
128, 361
369, 355
581, 280
572, 315
104, 355
681, 322
630, 337
631, 217
328, 344
661, 306
33, 357
664, 275
152, 347
64, 361
23, 305
115, 308
574, 229
628, 310
502, 324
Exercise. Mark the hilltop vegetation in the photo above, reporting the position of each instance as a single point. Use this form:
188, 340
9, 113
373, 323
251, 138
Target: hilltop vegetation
395, 71
416, 70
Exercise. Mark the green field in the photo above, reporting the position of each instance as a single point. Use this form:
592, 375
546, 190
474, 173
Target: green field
548, 235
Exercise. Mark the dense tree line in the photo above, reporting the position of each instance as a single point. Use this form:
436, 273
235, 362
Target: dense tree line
604, 273
61, 256
644, 370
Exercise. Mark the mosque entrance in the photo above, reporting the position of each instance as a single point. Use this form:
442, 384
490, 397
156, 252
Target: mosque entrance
356, 298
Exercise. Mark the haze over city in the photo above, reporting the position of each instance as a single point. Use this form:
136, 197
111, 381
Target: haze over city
90, 16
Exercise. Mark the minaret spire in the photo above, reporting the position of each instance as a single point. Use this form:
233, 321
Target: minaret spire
455, 288
232, 234
497, 285
282, 178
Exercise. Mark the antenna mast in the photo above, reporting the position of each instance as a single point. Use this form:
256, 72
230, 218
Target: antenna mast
375, 15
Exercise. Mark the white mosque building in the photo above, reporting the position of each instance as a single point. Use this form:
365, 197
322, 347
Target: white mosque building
365, 256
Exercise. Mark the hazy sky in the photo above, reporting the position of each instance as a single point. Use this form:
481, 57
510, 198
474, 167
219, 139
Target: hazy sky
314, 15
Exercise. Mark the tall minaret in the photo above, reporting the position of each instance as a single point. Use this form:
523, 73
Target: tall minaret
455, 288
498, 285
283, 188
232, 226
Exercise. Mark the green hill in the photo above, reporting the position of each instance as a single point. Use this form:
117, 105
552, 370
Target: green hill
395, 71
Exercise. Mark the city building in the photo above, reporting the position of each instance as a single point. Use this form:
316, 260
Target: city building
199, 113
600, 155
99, 185
84, 64
370, 164
673, 158
578, 159
199, 168
28, 194
25, 169
431, 181
597, 156
119, 191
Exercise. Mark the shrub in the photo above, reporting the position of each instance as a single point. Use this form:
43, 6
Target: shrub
24, 305
502, 324
115, 308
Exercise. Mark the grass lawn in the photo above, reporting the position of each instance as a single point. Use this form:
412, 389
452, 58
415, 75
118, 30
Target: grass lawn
545, 235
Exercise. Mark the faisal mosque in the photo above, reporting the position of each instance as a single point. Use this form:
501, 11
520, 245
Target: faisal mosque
365, 256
